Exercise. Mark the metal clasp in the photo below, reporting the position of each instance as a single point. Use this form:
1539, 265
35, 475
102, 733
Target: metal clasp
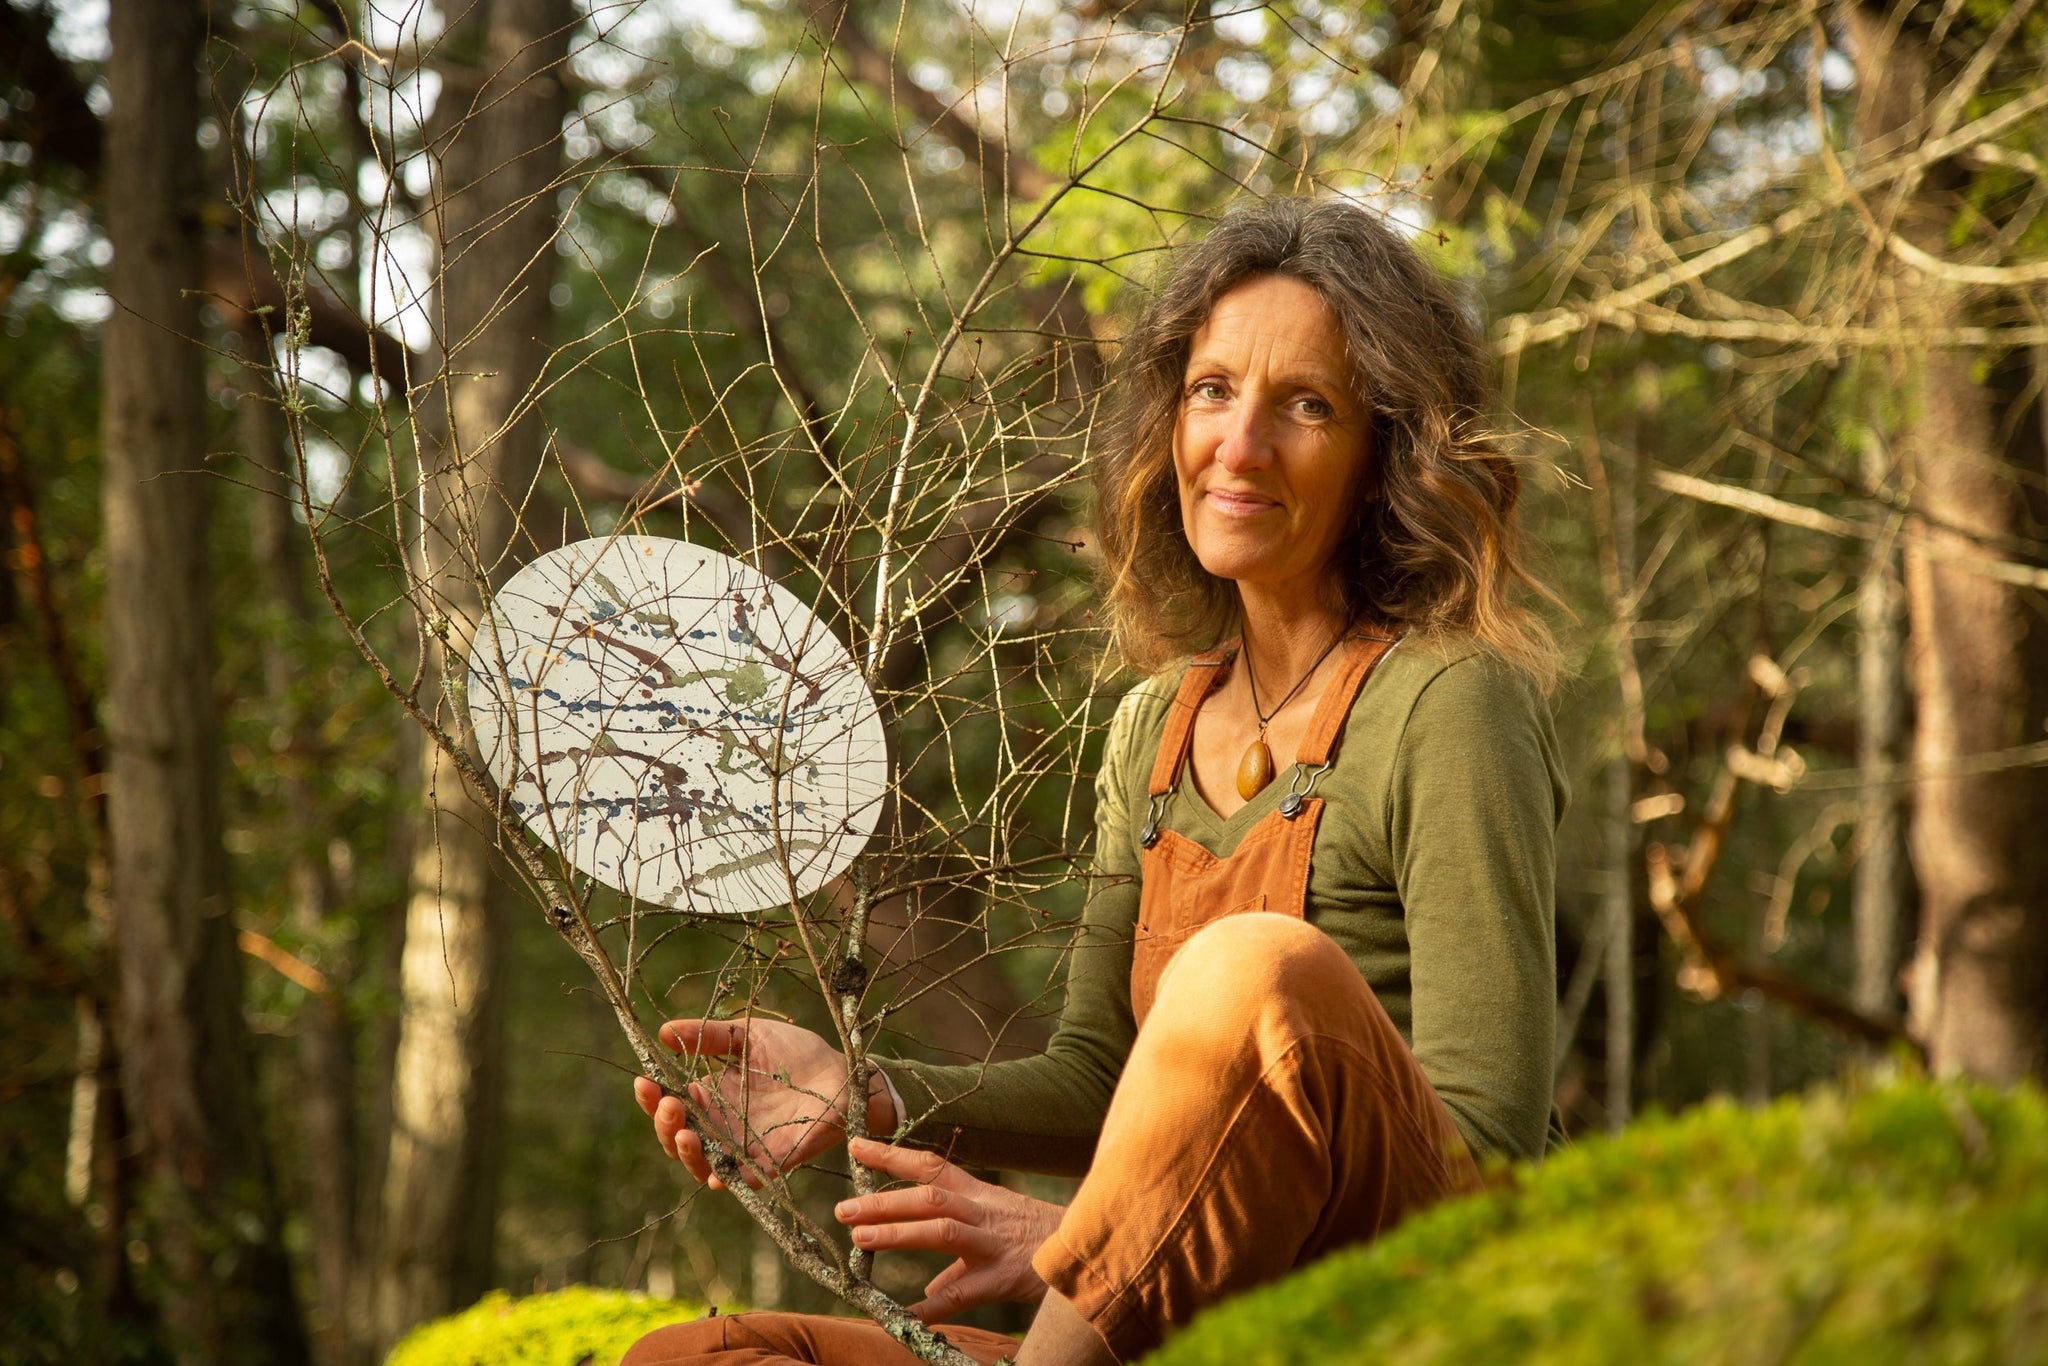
1299, 791
1150, 835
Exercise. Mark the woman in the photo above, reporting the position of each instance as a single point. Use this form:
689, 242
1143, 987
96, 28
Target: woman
1314, 981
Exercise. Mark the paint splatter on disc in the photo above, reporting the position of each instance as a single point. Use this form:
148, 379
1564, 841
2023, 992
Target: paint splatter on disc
677, 725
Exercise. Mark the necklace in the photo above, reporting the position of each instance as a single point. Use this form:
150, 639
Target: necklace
1255, 769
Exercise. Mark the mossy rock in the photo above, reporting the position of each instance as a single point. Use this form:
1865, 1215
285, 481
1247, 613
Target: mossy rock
1903, 1223
574, 1327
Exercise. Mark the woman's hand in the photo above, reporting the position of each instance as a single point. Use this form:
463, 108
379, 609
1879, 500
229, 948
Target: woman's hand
781, 1098
993, 1231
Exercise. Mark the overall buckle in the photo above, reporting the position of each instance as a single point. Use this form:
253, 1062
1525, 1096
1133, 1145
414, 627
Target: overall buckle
1300, 787
1150, 835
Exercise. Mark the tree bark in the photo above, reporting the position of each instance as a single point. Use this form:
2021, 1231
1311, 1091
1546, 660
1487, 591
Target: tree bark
1978, 983
325, 1096
99, 1155
1622, 845
497, 143
1879, 906
186, 1056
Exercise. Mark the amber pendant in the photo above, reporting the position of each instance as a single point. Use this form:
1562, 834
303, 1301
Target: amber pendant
1255, 770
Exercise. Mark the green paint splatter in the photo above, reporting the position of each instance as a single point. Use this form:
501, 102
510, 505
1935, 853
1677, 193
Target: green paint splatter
645, 618
749, 683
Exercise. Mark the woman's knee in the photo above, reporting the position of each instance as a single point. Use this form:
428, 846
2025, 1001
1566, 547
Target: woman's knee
1242, 965
677, 1344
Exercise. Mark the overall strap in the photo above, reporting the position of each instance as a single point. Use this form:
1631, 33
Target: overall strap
1195, 685
1325, 728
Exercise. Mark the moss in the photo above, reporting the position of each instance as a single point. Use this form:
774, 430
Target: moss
1902, 1223
567, 1328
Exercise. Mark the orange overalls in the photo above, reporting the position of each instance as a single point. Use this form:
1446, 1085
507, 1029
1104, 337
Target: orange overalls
1269, 1111
1184, 887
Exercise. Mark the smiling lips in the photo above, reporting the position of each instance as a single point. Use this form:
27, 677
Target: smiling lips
1237, 503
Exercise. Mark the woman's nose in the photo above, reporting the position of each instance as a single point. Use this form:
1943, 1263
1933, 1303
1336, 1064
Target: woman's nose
1247, 442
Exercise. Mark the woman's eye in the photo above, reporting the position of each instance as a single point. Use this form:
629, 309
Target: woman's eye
1315, 407
1207, 389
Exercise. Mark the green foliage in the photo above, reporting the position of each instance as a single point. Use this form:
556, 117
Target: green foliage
1907, 1223
1565, 152
567, 1328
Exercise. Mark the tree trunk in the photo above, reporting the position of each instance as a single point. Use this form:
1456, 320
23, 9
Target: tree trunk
99, 1153
185, 1053
497, 143
1618, 897
1978, 989
1880, 892
326, 1091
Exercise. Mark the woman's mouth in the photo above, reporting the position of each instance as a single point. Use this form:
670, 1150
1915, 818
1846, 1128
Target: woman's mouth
1232, 503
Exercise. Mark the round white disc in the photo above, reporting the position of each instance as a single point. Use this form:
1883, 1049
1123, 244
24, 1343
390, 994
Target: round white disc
677, 725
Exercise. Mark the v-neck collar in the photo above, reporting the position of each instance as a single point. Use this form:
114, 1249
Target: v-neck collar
1200, 807
1210, 818
1226, 830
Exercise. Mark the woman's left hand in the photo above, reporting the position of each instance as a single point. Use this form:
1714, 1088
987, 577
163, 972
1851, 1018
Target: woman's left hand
993, 1231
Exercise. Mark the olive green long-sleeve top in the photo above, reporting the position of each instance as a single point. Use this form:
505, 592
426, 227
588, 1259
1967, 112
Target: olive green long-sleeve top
1433, 869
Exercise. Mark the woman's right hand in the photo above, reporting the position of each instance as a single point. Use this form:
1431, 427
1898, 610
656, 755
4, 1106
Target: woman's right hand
781, 1096
992, 1232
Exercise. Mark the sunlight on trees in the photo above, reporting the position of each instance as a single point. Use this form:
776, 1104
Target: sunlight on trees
834, 287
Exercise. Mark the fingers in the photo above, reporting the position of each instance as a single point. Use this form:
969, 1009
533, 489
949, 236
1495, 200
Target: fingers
905, 1205
705, 1038
672, 1125
672, 1129
950, 1292
928, 1235
909, 1164
690, 1152
938, 1213
935, 1288
670, 1121
727, 1095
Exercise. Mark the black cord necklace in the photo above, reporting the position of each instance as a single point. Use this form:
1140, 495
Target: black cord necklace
1255, 769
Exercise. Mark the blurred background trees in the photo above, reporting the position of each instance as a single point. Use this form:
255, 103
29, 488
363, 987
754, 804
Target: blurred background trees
291, 1063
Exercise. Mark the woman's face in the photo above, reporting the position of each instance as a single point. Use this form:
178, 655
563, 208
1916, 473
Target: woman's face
1271, 441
